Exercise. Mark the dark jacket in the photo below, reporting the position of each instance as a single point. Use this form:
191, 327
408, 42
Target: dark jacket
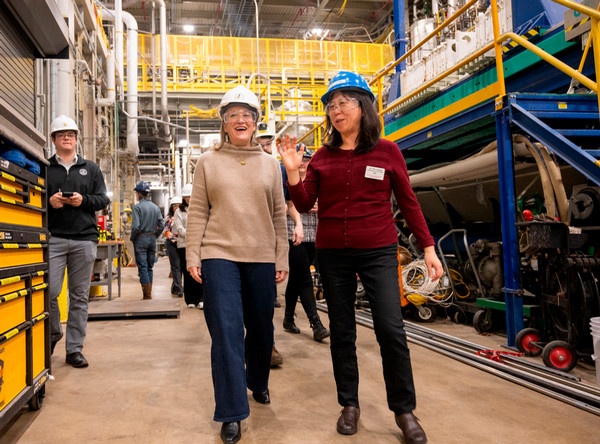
85, 178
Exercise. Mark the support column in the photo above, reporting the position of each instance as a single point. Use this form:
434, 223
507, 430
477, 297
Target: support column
512, 288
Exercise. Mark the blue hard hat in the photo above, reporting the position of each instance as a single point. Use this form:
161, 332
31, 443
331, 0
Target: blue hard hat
347, 80
142, 187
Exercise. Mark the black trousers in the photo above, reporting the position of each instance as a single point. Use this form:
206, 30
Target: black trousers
192, 289
378, 271
300, 280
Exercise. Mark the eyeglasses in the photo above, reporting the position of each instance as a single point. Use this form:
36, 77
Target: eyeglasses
246, 116
267, 143
344, 105
66, 134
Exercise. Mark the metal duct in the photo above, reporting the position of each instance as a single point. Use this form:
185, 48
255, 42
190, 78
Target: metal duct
110, 82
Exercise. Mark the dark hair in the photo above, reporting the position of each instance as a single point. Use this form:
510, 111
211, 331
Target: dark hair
370, 125
183, 205
171, 211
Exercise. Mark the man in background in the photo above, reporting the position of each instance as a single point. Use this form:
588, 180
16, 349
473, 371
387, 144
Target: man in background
146, 225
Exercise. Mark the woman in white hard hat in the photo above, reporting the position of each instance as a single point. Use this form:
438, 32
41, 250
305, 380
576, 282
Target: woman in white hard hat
353, 177
193, 291
171, 247
239, 251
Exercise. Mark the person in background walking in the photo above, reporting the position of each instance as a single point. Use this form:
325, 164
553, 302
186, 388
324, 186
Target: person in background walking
193, 291
353, 177
265, 138
302, 255
77, 190
171, 247
239, 251
146, 225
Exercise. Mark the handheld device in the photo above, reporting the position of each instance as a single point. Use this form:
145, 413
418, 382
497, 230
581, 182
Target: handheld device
67, 194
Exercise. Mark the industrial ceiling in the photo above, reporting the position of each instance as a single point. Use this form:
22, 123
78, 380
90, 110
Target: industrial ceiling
341, 20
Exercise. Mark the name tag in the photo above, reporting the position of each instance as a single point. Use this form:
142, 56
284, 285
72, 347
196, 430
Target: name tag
374, 173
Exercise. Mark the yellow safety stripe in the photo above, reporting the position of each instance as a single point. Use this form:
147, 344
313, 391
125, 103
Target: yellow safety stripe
9, 245
585, 20
34, 245
40, 287
11, 333
37, 188
9, 189
41, 181
39, 317
8, 177
526, 36
10, 280
15, 295
40, 273
11, 201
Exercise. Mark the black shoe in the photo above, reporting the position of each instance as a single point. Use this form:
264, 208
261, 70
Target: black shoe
319, 331
277, 304
262, 398
231, 432
76, 360
53, 344
289, 325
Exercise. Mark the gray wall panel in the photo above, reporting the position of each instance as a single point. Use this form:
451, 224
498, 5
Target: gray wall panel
17, 68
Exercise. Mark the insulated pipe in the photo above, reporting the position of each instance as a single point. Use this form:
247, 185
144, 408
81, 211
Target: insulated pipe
110, 82
119, 40
132, 83
163, 69
153, 46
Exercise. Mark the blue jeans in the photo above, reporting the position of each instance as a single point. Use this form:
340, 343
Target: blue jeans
378, 271
145, 256
238, 295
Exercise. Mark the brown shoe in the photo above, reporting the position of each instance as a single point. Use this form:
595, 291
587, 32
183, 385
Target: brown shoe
348, 422
413, 433
276, 358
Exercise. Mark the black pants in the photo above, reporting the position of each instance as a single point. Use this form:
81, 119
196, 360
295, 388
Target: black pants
176, 286
192, 289
378, 271
300, 280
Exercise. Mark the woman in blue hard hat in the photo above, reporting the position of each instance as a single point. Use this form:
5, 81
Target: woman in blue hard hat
353, 177
237, 247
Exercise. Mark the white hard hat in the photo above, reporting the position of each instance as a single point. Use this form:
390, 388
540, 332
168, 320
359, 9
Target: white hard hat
63, 123
175, 200
262, 130
186, 191
242, 96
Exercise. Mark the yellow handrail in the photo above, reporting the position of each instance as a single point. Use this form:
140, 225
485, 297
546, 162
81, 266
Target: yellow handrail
551, 59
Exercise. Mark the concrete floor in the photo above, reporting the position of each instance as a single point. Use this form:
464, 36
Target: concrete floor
149, 381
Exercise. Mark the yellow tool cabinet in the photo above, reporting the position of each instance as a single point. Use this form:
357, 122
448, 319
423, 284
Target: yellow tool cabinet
24, 302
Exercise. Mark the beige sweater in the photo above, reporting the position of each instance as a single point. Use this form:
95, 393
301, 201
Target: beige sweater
237, 212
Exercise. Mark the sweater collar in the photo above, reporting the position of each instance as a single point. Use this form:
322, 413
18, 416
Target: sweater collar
229, 147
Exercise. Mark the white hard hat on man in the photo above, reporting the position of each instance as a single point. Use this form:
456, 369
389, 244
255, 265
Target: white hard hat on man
63, 123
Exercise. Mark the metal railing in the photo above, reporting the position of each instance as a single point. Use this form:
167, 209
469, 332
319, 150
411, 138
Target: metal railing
497, 46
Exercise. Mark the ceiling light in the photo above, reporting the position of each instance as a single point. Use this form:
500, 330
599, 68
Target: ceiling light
188, 28
317, 31
182, 143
